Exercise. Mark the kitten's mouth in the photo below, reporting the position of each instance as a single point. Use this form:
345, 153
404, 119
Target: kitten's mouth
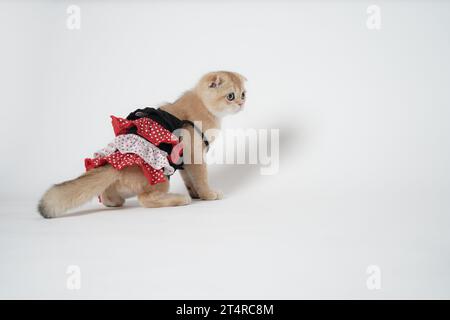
235, 110
240, 108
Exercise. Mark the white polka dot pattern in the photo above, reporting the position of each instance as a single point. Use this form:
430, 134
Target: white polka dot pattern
141, 149
131, 143
146, 128
122, 160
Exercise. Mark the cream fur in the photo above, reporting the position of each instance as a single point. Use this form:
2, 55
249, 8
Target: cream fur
206, 102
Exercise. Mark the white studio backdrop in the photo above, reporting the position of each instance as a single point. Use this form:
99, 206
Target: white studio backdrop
364, 144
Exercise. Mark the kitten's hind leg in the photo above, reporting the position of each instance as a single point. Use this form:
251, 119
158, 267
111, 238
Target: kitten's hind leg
111, 197
157, 199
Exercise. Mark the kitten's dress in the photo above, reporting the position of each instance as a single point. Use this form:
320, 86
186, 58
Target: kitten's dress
145, 139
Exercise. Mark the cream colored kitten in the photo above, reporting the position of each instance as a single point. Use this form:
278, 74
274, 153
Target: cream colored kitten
217, 94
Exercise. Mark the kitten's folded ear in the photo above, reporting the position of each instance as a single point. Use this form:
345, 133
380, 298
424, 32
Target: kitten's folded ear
214, 81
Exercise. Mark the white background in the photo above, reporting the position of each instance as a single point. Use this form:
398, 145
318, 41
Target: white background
364, 149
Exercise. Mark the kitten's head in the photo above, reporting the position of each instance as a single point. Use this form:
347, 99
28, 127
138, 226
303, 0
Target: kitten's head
222, 92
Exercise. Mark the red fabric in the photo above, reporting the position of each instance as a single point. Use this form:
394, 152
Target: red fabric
122, 160
146, 128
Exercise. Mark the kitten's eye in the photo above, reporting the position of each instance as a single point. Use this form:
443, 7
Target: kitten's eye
230, 96
243, 95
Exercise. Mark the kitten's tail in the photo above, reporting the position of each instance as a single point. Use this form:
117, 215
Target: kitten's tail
73, 193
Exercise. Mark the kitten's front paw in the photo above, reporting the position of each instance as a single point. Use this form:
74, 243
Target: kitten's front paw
211, 195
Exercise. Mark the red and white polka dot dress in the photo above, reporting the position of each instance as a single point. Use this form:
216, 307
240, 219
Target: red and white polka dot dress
153, 134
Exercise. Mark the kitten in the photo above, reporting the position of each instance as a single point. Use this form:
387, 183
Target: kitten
216, 95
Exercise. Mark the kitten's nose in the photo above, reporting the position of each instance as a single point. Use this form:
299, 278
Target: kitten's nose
241, 103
